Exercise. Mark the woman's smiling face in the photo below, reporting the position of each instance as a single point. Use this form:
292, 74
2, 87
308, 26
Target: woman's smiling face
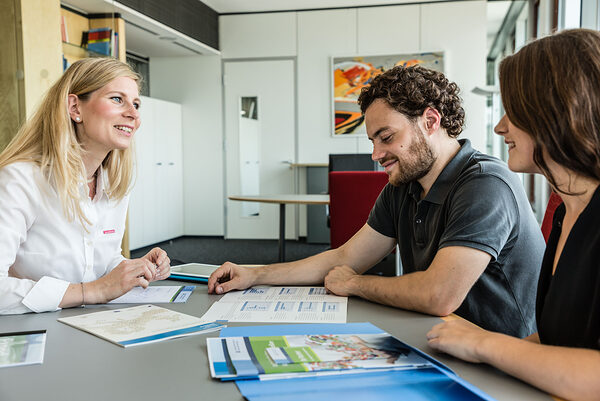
520, 147
109, 116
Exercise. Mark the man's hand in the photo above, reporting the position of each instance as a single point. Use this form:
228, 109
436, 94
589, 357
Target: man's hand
231, 277
159, 258
340, 280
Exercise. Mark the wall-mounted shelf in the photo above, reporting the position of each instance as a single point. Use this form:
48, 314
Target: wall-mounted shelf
78, 52
146, 36
77, 22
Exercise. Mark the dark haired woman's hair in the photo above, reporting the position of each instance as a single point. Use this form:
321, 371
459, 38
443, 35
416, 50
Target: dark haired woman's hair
410, 90
551, 90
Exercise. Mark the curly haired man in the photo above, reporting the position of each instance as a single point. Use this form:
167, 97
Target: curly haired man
468, 239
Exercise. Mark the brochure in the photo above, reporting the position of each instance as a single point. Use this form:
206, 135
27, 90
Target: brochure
431, 380
156, 294
279, 304
22, 348
296, 355
140, 325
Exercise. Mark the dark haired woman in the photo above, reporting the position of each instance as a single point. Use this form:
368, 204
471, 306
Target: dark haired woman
551, 93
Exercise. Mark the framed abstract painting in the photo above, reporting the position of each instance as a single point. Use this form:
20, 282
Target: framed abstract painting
351, 74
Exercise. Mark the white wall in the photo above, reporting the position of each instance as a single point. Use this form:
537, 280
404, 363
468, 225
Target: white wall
383, 31
195, 83
459, 29
456, 28
313, 37
321, 34
258, 35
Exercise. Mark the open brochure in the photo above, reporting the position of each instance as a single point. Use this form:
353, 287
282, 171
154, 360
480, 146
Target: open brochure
356, 361
290, 356
140, 325
279, 304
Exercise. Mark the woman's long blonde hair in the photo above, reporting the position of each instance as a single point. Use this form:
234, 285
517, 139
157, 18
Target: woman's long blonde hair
49, 137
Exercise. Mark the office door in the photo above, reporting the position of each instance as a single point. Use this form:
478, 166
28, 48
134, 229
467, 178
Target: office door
259, 144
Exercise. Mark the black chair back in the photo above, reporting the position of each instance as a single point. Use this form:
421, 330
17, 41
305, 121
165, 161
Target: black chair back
351, 162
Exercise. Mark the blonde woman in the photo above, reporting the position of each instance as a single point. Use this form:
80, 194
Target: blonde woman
64, 182
551, 93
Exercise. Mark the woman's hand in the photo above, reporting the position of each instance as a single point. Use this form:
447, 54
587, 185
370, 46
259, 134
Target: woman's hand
159, 258
128, 274
458, 338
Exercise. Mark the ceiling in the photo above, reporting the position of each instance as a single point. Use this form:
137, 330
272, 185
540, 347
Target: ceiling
496, 11
150, 38
246, 6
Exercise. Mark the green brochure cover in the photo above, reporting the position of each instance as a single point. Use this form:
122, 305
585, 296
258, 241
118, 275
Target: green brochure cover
239, 357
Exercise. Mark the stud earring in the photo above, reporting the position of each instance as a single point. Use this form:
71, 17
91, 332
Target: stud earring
78, 119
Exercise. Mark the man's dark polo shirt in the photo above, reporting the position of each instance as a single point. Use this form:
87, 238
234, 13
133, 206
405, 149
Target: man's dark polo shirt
478, 203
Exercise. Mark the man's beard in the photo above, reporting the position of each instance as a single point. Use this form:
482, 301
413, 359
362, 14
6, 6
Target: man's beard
416, 164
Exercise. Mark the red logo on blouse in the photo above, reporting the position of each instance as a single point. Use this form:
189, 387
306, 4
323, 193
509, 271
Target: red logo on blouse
108, 232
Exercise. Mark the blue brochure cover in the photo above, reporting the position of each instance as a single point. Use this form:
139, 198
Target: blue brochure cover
435, 383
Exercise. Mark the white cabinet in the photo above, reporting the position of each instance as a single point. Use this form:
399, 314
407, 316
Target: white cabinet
156, 202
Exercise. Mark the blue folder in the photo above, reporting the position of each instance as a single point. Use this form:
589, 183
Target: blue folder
431, 384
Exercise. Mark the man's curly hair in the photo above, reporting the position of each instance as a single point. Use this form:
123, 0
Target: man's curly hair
410, 90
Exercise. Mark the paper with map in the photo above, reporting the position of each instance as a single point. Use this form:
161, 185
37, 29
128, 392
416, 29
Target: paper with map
138, 325
279, 304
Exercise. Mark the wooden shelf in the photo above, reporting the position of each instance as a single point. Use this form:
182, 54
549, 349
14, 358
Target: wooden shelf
72, 50
77, 24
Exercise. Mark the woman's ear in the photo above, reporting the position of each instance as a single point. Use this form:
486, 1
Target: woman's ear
73, 104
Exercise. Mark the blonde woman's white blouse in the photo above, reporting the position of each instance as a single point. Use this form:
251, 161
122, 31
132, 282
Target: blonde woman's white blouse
41, 251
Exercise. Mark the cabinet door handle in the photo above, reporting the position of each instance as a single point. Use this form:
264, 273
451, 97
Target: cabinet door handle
159, 164
171, 164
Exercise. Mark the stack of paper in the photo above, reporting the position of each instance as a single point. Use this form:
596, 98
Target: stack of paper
279, 304
278, 357
140, 325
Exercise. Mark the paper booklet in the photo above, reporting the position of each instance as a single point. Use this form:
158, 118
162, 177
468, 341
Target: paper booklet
22, 348
279, 304
357, 361
140, 325
290, 356
156, 294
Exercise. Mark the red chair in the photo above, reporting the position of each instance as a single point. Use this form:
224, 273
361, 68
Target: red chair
352, 195
553, 203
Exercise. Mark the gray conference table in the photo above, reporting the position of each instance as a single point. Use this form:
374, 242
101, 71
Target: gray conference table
80, 366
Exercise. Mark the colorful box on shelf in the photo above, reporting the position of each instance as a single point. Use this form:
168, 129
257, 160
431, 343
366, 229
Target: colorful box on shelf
98, 40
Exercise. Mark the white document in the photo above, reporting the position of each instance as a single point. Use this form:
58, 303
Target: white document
139, 325
279, 304
156, 295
